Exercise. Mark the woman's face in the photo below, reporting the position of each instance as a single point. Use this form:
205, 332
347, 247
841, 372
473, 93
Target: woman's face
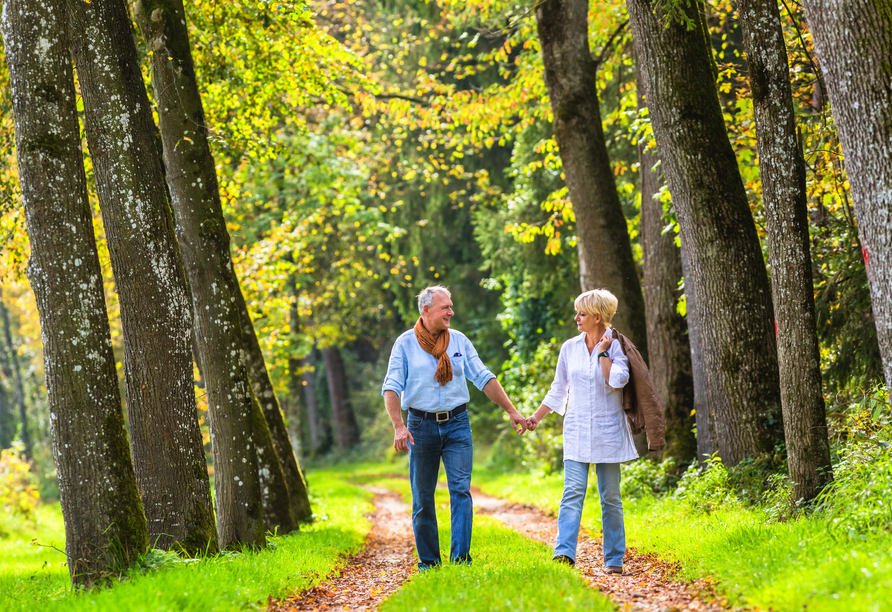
586, 322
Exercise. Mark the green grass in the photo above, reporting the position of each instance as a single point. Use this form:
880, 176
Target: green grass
778, 566
227, 582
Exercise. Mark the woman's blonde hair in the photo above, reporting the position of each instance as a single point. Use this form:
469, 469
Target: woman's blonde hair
597, 302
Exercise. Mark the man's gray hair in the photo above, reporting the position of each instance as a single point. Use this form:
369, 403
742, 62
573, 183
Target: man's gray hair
426, 297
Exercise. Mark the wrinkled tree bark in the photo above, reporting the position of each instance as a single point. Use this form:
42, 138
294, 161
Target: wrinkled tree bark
346, 431
726, 275
782, 170
13, 372
266, 395
105, 529
204, 244
667, 339
605, 251
155, 311
853, 40
278, 514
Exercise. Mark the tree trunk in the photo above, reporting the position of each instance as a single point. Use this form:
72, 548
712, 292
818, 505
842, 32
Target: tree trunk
155, 311
605, 251
853, 40
725, 276
266, 395
278, 514
308, 364
15, 375
105, 529
295, 381
346, 432
204, 244
7, 419
782, 170
670, 350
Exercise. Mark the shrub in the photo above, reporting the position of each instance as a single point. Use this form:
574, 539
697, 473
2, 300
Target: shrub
645, 478
706, 489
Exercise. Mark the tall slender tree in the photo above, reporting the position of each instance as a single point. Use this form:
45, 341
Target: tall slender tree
13, 371
725, 274
667, 339
782, 170
605, 251
278, 513
853, 40
342, 416
204, 243
105, 529
155, 310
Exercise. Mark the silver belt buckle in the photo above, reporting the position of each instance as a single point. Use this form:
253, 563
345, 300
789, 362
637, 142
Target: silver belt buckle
439, 420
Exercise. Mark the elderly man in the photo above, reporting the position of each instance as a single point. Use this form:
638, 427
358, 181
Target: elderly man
427, 366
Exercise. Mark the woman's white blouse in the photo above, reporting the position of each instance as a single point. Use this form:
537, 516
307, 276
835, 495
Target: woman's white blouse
595, 427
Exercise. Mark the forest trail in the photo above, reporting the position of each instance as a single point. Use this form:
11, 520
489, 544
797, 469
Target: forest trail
646, 584
386, 561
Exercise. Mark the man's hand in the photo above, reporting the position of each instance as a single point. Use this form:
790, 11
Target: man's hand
532, 422
518, 422
402, 438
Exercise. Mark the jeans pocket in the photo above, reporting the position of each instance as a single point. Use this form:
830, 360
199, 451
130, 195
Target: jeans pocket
414, 422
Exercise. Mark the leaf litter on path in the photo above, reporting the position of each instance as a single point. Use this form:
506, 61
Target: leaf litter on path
380, 568
646, 584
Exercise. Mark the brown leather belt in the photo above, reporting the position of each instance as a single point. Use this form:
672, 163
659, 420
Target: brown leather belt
441, 417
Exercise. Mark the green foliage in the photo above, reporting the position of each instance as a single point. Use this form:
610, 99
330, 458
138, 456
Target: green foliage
18, 487
706, 489
645, 478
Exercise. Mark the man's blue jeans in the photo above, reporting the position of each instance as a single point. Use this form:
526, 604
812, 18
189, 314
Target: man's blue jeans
451, 441
570, 514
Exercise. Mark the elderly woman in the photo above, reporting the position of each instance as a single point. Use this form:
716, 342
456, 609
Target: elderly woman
592, 369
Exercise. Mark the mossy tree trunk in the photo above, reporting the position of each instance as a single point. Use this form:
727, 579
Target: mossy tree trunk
782, 170
269, 402
726, 274
205, 248
853, 40
105, 529
13, 371
346, 430
168, 455
667, 330
605, 251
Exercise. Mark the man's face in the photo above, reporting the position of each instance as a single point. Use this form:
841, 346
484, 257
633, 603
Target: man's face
437, 315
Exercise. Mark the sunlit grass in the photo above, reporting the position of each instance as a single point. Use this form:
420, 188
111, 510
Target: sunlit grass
227, 582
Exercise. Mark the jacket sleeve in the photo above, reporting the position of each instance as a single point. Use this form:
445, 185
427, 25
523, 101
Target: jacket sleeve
556, 398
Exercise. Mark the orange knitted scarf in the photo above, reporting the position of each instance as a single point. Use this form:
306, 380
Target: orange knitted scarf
436, 346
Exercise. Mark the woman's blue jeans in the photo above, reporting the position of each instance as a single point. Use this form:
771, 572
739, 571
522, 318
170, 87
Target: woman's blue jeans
451, 441
570, 514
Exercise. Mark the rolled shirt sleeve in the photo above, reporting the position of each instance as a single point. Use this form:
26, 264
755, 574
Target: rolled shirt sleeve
619, 367
556, 398
475, 370
397, 370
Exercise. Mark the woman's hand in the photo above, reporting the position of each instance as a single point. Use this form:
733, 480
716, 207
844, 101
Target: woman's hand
605, 342
532, 422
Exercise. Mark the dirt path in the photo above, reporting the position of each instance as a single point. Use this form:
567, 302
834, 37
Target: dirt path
644, 586
379, 569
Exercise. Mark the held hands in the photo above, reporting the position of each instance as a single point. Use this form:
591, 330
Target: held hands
518, 422
402, 438
532, 422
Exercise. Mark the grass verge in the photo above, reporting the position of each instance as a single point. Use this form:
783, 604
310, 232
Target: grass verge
796, 565
36, 578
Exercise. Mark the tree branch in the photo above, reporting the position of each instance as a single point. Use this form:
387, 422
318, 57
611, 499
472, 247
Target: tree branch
608, 48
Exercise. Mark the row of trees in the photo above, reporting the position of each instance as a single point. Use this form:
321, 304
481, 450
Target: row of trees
169, 252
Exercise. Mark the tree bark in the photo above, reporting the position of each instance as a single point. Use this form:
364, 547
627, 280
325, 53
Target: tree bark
7, 419
295, 380
605, 251
782, 170
266, 395
670, 350
105, 529
726, 275
308, 377
204, 244
14, 373
155, 310
278, 513
346, 431
853, 40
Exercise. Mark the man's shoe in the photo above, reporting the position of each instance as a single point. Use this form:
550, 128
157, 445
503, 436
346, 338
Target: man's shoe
564, 559
613, 569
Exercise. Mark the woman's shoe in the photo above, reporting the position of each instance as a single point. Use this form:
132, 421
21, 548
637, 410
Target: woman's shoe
564, 559
613, 569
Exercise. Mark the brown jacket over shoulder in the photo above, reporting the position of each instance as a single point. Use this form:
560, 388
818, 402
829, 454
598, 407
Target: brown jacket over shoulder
640, 400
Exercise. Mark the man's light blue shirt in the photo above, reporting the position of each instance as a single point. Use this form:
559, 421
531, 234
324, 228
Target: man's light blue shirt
410, 373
